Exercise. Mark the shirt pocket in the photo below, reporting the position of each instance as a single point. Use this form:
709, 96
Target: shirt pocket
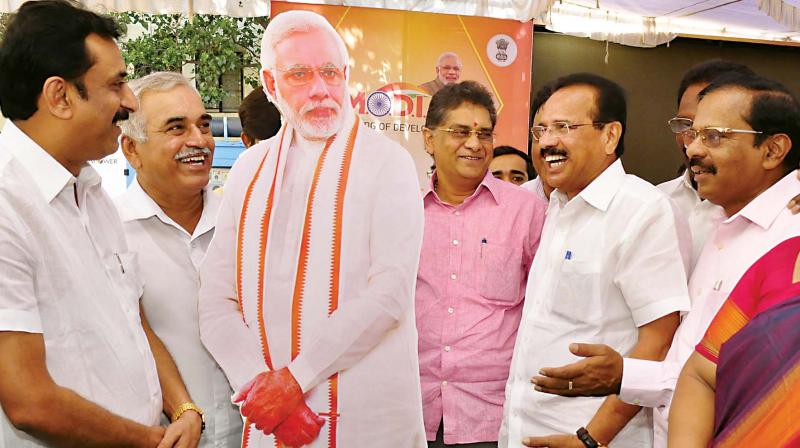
123, 270
577, 296
500, 274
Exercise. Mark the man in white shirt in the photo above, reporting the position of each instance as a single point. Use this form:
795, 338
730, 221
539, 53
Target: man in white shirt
306, 297
168, 216
683, 189
742, 233
609, 269
79, 366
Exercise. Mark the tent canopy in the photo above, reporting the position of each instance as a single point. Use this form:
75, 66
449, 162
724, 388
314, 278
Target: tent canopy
643, 23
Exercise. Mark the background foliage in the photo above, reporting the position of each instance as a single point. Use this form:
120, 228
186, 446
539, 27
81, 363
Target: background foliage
214, 44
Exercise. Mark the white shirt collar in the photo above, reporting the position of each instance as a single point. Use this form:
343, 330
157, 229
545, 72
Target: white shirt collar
138, 205
602, 189
49, 176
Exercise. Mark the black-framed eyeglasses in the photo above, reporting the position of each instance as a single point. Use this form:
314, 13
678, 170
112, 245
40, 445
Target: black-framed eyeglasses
711, 137
679, 124
560, 128
300, 75
484, 135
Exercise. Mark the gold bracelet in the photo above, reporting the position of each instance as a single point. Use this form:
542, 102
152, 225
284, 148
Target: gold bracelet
189, 406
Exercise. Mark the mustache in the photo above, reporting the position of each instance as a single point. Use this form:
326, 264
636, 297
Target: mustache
326, 103
696, 161
192, 153
121, 115
552, 151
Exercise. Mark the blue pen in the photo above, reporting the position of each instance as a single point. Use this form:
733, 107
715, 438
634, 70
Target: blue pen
483, 243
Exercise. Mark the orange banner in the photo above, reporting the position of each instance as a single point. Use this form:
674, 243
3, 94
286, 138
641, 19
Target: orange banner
394, 57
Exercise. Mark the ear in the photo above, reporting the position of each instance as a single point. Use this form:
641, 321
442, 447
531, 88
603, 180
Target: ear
777, 148
268, 81
130, 150
57, 97
246, 140
427, 137
612, 133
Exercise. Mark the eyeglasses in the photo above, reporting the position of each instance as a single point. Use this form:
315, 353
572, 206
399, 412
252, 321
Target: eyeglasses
711, 136
301, 75
558, 129
679, 124
484, 135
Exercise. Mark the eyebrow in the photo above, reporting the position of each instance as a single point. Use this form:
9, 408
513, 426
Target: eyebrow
172, 120
206, 117
512, 172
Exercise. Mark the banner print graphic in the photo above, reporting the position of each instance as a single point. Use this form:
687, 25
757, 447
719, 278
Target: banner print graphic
394, 57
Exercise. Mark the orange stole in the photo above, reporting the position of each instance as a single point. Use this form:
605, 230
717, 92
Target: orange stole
302, 265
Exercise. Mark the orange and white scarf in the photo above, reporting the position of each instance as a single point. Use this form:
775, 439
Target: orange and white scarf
318, 262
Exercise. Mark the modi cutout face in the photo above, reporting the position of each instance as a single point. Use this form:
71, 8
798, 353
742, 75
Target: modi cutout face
449, 69
308, 82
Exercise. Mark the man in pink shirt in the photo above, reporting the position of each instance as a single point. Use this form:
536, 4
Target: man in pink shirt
480, 238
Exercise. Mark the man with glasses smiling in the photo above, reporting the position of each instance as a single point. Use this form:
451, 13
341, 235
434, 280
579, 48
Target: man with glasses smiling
481, 234
740, 151
683, 189
609, 270
306, 297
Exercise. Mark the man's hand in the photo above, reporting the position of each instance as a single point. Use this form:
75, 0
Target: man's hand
554, 441
184, 432
599, 374
300, 428
269, 398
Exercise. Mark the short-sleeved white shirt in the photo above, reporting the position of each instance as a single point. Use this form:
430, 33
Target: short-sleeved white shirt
66, 272
609, 262
170, 258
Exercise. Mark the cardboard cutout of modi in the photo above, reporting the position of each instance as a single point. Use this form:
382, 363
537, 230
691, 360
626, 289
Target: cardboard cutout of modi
307, 288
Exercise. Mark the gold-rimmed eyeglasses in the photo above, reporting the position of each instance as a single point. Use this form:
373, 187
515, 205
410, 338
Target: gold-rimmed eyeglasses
559, 129
711, 137
484, 135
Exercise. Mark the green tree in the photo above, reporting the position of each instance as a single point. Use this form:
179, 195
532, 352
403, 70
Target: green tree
214, 44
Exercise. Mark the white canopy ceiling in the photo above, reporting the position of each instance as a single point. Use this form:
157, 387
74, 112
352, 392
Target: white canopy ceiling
643, 23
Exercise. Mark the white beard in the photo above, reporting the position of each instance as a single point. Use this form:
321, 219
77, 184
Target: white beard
309, 128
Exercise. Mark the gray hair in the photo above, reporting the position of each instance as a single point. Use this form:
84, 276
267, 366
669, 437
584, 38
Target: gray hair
446, 55
291, 22
134, 126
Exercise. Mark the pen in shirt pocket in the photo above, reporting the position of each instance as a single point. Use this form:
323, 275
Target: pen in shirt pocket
119, 260
483, 243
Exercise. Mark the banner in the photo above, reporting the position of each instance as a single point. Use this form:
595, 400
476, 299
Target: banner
398, 59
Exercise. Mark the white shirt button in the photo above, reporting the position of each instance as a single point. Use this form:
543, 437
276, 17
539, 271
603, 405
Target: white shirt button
444, 383
458, 213
453, 276
455, 242
450, 310
447, 348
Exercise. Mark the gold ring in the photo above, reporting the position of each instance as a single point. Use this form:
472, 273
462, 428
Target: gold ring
570, 385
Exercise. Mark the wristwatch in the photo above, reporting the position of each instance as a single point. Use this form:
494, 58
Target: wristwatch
586, 438
189, 406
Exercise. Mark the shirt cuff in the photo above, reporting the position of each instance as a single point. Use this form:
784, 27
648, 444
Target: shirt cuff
642, 383
655, 310
17, 320
302, 373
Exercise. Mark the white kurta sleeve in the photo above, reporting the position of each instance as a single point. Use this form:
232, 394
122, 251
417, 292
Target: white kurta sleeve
651, 272
648, 383
361, 322
222, 328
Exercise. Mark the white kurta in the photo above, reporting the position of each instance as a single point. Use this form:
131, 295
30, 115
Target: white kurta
371, 339
609, 262
66, 272
169, 258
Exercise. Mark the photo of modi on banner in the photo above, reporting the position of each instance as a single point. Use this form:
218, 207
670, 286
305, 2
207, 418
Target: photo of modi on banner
399, 59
